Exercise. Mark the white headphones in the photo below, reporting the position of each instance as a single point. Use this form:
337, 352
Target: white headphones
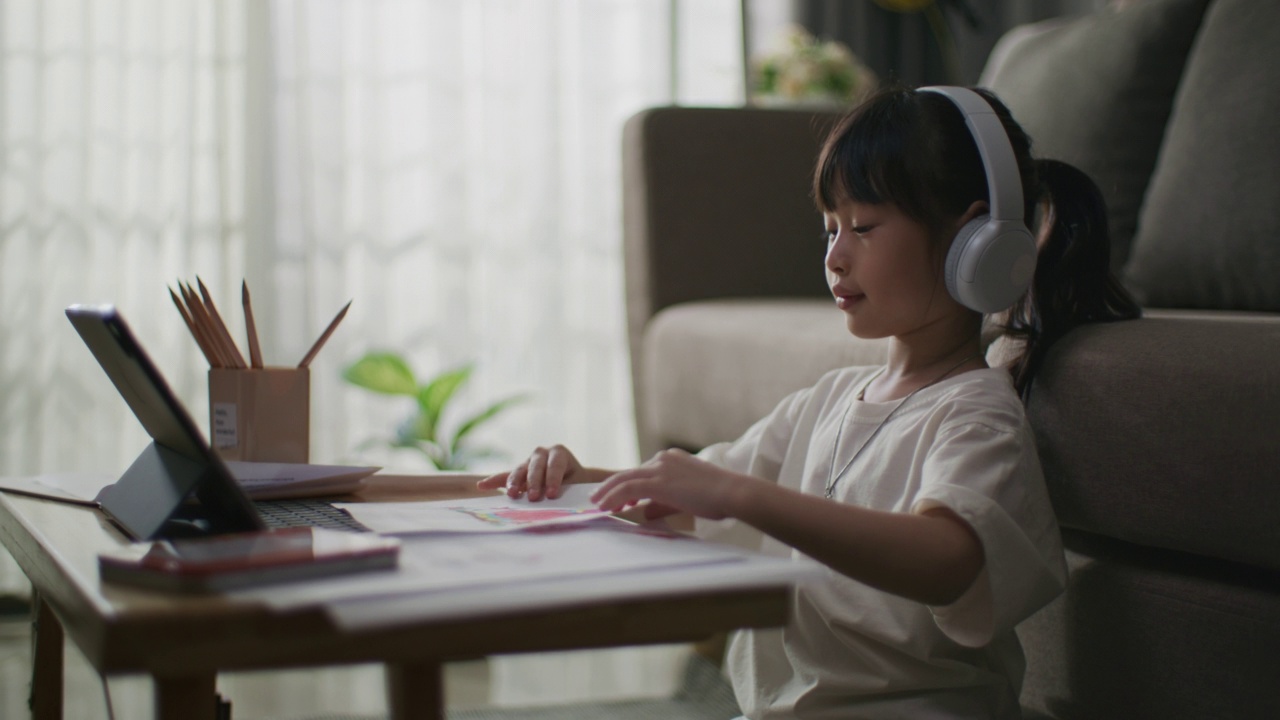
993, 257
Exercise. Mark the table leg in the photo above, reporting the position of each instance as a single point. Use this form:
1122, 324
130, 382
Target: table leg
186, 698
415, 691
46, 663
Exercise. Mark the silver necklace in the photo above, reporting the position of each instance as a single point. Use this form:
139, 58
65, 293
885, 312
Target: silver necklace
833, 477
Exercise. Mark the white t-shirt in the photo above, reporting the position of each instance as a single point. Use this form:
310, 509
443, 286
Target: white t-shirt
851, 651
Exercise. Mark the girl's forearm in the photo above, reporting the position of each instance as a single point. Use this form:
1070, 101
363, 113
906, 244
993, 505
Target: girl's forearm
931, 558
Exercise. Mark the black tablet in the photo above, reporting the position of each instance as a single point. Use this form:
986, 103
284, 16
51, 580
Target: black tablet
178, 486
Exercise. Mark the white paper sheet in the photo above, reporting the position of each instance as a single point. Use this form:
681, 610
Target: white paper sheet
498, 513
79, 488
269, 481
752, 572
437, 563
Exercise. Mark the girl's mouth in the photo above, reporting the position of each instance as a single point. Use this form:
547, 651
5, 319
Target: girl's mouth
848, 302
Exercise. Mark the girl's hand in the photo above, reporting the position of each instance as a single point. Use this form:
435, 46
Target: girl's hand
542, 475
674, 481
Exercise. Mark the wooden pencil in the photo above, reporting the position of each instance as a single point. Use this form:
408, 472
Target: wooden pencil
324, 337
200, 315
250, 327
220, 327
195, 334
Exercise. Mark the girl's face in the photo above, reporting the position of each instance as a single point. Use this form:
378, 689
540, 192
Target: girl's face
884, 272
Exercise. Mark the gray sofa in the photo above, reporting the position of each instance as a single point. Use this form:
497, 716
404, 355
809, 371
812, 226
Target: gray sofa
1160, 437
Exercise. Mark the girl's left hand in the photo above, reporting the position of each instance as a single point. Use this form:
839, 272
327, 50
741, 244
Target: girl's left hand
674, 481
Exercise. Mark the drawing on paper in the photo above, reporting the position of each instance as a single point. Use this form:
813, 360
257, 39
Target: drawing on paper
513, 517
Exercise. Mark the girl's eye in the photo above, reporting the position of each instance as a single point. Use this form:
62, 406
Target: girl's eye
862, 229
829, 236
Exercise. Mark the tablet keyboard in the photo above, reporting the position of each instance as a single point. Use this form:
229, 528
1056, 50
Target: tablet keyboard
306, 512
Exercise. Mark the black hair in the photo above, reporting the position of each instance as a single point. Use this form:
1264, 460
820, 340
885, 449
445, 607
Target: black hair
1073, 283
914, 150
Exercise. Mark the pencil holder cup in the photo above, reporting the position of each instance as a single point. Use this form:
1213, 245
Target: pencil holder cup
261, 415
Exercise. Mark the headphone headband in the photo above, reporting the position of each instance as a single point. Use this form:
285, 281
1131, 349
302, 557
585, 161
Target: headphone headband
993, 257
1004, 181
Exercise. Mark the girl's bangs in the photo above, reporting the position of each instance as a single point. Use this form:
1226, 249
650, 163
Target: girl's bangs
863, 159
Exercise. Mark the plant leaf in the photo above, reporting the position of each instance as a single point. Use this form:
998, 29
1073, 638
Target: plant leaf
482, 417
433, 398
432, 452
415, 429
382, 372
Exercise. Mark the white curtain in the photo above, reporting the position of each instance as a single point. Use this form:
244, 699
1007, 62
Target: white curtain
451, 167
454, 167
121, 170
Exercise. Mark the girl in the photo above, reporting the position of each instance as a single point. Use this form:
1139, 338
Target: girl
915, 484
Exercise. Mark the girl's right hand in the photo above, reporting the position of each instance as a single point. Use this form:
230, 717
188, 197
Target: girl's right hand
543, 475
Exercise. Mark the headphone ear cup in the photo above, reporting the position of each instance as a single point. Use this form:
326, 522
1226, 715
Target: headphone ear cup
990, 264
963, 244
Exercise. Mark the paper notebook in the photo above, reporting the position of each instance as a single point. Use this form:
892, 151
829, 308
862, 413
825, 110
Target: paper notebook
497, 513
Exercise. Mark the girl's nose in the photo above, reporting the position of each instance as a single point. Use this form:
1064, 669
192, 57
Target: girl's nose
837, 260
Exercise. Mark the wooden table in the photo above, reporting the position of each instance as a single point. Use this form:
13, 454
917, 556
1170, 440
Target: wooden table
183, 642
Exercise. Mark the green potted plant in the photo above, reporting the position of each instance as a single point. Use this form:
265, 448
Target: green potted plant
446, 447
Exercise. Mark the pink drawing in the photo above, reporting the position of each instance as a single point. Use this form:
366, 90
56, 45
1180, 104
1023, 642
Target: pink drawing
509, 516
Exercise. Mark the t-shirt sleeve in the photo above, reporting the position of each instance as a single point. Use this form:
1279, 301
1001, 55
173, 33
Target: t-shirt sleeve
990, 476
759, 452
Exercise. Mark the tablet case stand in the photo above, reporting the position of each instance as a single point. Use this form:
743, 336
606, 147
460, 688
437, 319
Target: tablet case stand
165, 494
177, 487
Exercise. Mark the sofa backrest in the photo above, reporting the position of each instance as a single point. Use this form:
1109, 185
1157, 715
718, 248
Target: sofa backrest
1209, 233
1096, 91
1170, 105
732, 220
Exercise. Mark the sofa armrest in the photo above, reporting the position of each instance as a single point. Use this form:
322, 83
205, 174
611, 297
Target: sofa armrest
717, 204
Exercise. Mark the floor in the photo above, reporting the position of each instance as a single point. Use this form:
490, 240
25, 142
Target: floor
349, 691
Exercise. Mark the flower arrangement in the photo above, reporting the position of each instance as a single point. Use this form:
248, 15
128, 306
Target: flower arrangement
807, 71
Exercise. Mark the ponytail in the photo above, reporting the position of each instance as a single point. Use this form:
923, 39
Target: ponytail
1073, 282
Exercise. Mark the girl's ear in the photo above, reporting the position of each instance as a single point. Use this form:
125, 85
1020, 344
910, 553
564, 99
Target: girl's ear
979, 207
976, 209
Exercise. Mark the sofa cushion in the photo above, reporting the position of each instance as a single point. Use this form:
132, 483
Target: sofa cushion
1163, 432
1096, 92
1144, 633
1209, 235
713, 368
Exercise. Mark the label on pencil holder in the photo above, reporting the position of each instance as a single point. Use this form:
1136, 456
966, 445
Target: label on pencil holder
224, 426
